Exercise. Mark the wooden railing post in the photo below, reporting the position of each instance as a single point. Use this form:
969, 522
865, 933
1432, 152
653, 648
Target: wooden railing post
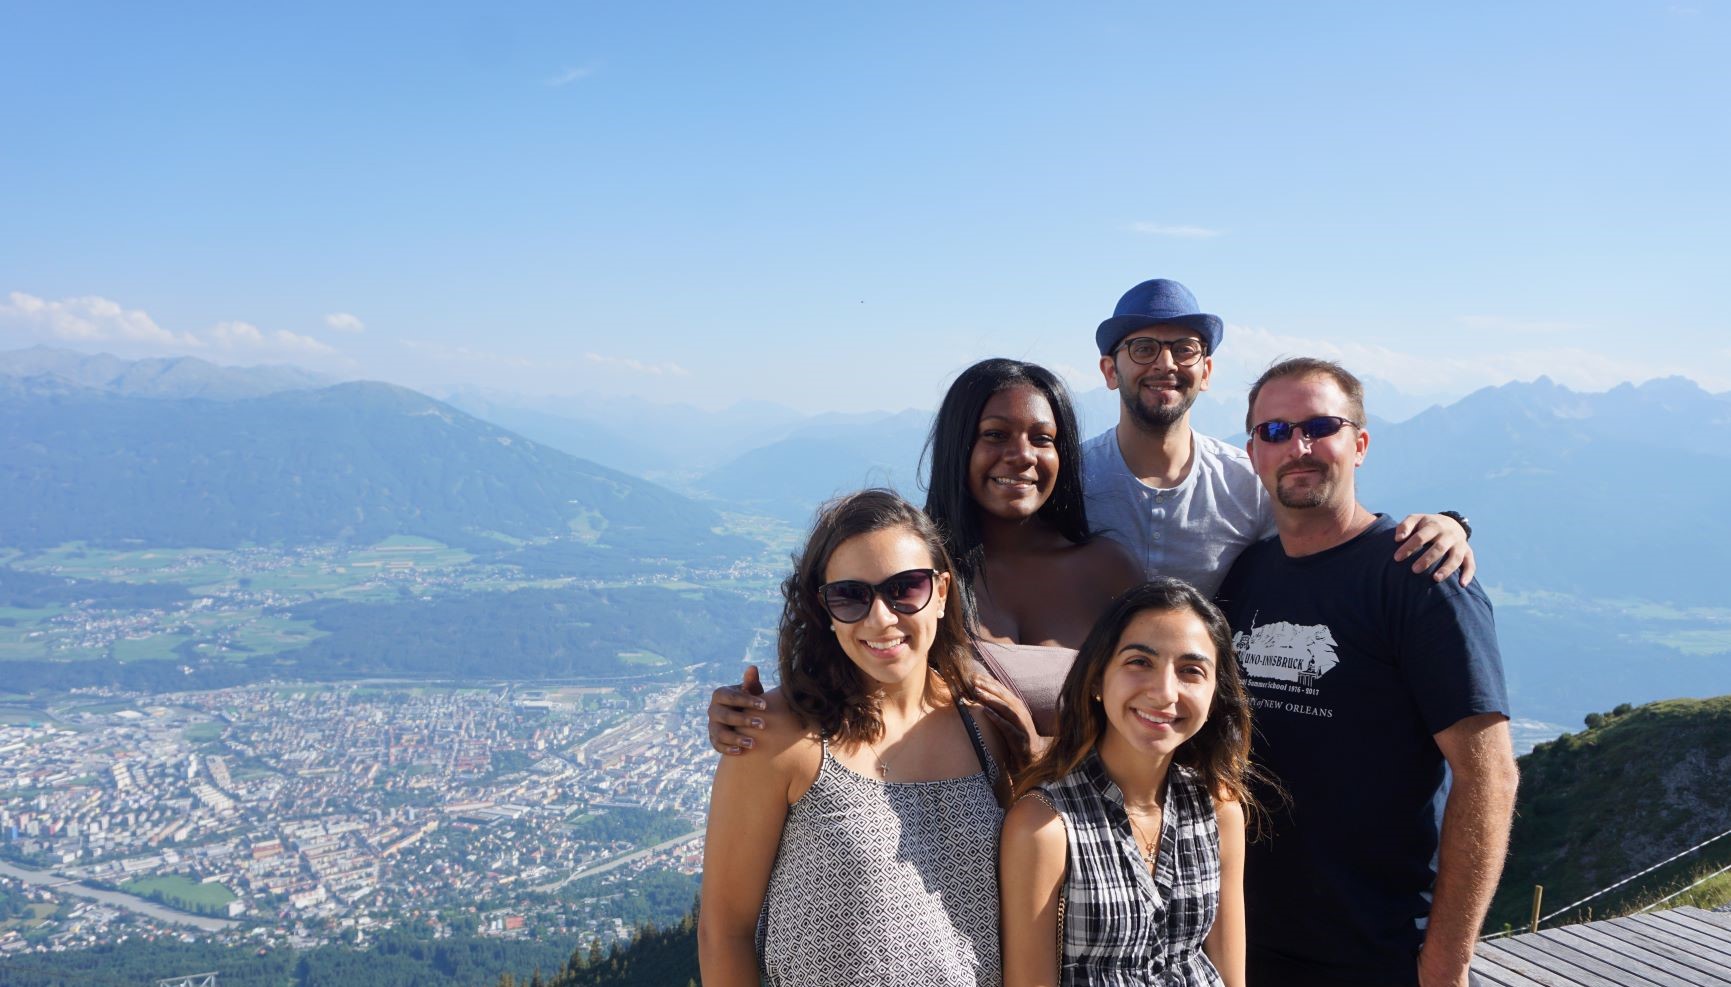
1538, 897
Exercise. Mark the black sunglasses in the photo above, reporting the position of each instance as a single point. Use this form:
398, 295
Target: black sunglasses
849, 600
1321, 427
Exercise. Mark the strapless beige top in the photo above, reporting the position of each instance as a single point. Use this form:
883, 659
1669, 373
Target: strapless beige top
1033, 671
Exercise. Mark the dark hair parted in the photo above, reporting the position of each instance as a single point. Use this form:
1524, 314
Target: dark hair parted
1309, 366
1219, 753
819, 681
950, 446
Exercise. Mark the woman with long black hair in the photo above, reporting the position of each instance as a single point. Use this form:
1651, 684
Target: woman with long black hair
1005, 487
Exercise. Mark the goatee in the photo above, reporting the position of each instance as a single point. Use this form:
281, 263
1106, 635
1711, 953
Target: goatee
1161, 418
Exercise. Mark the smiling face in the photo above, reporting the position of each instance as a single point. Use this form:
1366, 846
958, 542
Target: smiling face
1013, 465
888, 648
1156, 396
1306, 473
1159, 683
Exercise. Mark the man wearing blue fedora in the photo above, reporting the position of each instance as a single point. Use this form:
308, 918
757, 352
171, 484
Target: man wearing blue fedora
1188, 505
1183, 503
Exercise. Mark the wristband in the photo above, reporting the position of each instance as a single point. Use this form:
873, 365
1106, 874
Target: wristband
1461, 519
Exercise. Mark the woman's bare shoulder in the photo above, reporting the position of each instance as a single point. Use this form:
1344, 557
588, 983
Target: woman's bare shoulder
1033, 826
1109, 564
784, 731
1229, 812
990, 734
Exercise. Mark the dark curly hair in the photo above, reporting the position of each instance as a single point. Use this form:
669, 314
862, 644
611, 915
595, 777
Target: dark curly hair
950, 444
1220, 751
818, 679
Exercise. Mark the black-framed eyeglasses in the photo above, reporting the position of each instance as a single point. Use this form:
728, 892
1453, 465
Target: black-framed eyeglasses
849, 600
1146, 349
1275, 431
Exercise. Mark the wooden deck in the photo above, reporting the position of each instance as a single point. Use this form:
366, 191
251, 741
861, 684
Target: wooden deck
1682, 947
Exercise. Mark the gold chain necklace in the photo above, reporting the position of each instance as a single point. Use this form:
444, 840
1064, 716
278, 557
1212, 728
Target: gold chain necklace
883, 769
1150, 845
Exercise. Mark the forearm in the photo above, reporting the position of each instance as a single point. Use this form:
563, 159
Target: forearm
1474, 841
1225, 944
1031, 860
727, 960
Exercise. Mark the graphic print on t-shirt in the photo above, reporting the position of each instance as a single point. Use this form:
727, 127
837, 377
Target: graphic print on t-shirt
1286, 657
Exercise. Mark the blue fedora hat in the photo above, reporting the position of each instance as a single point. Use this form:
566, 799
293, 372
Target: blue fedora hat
1157, 303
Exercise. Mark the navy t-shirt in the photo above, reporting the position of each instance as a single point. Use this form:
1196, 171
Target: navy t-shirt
1352, 663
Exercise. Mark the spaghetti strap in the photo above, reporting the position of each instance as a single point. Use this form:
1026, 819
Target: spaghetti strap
985, 757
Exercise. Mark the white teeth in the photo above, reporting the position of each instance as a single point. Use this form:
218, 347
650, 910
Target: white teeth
1162, 718
885, 645
1010, 481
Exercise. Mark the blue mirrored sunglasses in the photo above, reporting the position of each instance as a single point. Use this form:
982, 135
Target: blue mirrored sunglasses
1276, 431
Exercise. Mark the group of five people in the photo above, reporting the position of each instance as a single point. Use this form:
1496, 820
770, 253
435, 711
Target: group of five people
1243, 789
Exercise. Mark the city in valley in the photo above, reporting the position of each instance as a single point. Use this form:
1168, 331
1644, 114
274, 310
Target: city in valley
283, 813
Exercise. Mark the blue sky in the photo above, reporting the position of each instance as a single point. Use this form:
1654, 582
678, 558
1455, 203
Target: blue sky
838, 205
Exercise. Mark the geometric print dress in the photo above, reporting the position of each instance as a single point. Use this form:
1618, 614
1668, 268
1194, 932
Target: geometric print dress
1122, 925
886, 883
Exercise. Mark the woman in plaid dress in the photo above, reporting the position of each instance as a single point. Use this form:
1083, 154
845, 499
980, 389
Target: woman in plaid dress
1123, 862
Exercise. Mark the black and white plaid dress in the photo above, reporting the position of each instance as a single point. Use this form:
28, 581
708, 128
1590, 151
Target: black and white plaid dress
1123, 925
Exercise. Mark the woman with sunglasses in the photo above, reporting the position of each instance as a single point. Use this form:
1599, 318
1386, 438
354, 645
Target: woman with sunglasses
1123, 861
859, 845
1005, 489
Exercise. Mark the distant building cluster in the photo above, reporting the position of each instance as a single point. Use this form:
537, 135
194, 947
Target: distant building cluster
295, 812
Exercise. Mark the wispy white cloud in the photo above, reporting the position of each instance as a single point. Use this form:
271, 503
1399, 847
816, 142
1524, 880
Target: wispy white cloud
88, 319
1499, 323
653, 369
1180, 231
571, 74
92, 319
233, 336
344, 322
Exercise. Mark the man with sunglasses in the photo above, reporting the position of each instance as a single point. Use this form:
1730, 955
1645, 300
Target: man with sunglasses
1365, 683
1183, 503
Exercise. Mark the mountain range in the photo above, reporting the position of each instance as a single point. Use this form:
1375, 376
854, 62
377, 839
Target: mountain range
1616, 494
1599, 520
352, 463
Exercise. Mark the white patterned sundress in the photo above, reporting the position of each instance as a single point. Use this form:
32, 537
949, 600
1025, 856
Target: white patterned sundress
886, 883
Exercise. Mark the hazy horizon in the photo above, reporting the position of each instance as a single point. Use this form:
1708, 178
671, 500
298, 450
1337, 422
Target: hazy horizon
844, 207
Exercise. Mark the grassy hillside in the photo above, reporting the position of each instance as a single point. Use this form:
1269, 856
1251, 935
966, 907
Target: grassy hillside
1634, 788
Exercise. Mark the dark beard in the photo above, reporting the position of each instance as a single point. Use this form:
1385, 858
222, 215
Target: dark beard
1314, 497
1160, 420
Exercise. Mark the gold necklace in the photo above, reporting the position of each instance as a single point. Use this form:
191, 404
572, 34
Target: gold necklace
1150, 846
883, 769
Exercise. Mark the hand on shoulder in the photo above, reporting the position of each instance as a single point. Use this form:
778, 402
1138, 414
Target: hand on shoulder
782, 727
